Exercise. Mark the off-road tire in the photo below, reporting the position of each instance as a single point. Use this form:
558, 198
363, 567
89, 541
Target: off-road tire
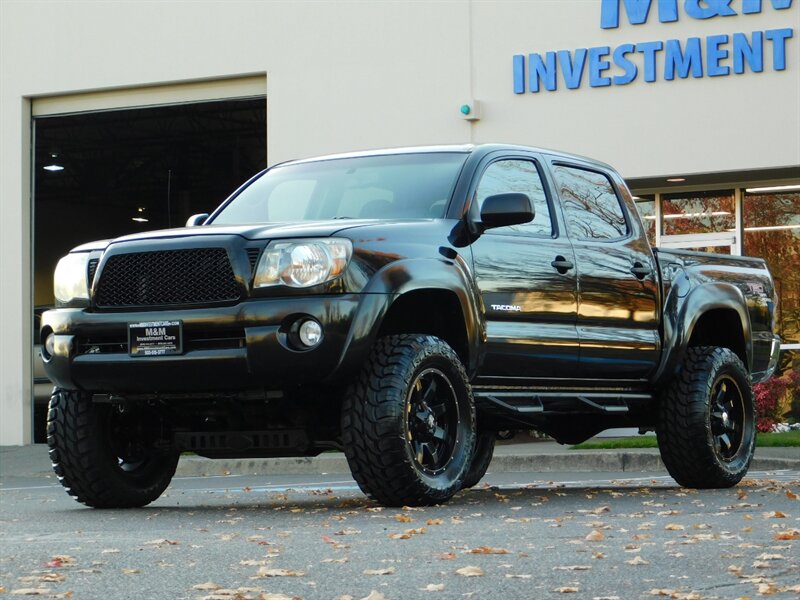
88, 465
693, 428
379, 431
481, 458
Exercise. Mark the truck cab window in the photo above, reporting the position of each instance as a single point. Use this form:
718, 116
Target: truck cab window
522, 176
591, 206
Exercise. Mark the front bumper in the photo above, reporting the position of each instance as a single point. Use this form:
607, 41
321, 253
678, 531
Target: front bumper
239, 347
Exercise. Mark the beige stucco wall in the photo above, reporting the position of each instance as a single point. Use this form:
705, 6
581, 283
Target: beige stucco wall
343, 76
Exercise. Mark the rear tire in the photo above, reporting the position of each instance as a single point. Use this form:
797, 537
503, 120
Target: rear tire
408, 422
706, 431
104, 458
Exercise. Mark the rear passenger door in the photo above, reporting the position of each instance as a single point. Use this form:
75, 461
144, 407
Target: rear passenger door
617, 281
527, 280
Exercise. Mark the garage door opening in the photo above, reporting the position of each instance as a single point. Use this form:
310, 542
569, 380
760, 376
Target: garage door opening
104, 174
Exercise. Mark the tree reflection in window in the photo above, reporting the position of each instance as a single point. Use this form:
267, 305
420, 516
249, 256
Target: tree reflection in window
591, 205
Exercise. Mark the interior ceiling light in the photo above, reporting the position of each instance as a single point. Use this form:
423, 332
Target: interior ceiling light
53, 166
697, 215
676, 179
140, 219
774, 188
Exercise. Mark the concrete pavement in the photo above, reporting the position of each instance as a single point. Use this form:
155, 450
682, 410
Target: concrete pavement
514, 456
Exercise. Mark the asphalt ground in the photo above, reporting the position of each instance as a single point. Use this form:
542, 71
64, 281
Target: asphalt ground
517, 535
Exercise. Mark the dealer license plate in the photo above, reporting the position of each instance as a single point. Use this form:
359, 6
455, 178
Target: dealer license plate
155, 338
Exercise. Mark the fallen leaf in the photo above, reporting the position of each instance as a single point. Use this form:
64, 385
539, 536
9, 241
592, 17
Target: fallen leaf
387, 571
446, 556
348, 531
161, 542
470, 572
374, 595
662, 592
401, 518
766, 556
399, 536
566, 590
787, 534
775, 514
30, 592
513, 576
674, 527
130, 571
265, 572
637, 560
110, 551
208, 585
488, 550
433, 587
601, 509
434, 522
791, 495
573, 568
595, 536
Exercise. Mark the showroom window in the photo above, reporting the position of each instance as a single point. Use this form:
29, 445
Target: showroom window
772, 232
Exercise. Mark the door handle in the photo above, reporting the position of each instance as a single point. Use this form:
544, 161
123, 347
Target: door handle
640, 270
561, 264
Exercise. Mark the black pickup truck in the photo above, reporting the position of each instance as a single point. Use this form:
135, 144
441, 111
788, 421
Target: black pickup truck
402, 306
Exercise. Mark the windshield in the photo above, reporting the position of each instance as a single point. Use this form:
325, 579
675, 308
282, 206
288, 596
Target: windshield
394, 186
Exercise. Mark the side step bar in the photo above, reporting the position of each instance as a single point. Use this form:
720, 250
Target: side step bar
533, 403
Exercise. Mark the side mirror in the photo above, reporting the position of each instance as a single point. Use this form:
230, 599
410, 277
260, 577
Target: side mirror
506, 209
196, 220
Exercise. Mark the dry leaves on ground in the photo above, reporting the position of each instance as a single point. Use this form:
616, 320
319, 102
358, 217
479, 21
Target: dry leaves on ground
266, 572
488, 550
433, 587
637, 560
386, 571
566, 590
595, 536
470, 572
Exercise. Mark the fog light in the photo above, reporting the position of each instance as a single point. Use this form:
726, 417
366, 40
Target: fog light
310, 333
50, 346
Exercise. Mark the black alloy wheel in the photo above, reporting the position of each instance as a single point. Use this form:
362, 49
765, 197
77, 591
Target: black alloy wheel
432, 420
727, 417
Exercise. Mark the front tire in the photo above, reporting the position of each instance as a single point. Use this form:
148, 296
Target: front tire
106, 458
408, 422
706, 431
481, 458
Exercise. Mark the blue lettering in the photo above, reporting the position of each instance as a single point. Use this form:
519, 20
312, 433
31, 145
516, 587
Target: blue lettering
675, 60
597, 65
540, 70
713, 8
744, 51
649, 50
572, 70
778, 37
750, 7
519, 73
637, 12
630, 69
714, 54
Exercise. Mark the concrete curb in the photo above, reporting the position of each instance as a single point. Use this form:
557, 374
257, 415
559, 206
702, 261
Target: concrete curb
574, 461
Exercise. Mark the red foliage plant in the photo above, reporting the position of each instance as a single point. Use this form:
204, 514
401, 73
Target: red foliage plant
767, 397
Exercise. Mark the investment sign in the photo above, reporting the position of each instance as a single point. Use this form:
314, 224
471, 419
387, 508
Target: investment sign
717, 55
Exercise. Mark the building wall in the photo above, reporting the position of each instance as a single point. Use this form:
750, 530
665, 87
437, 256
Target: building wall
351, 75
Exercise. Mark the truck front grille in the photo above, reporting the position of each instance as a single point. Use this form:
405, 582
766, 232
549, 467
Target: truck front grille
167, 277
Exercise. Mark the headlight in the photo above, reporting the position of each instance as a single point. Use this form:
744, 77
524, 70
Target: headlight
70, 281
303, 264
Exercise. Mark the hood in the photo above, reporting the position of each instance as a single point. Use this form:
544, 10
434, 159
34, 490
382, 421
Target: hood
251, 232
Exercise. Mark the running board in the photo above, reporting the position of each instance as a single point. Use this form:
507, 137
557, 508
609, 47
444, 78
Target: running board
532, 403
